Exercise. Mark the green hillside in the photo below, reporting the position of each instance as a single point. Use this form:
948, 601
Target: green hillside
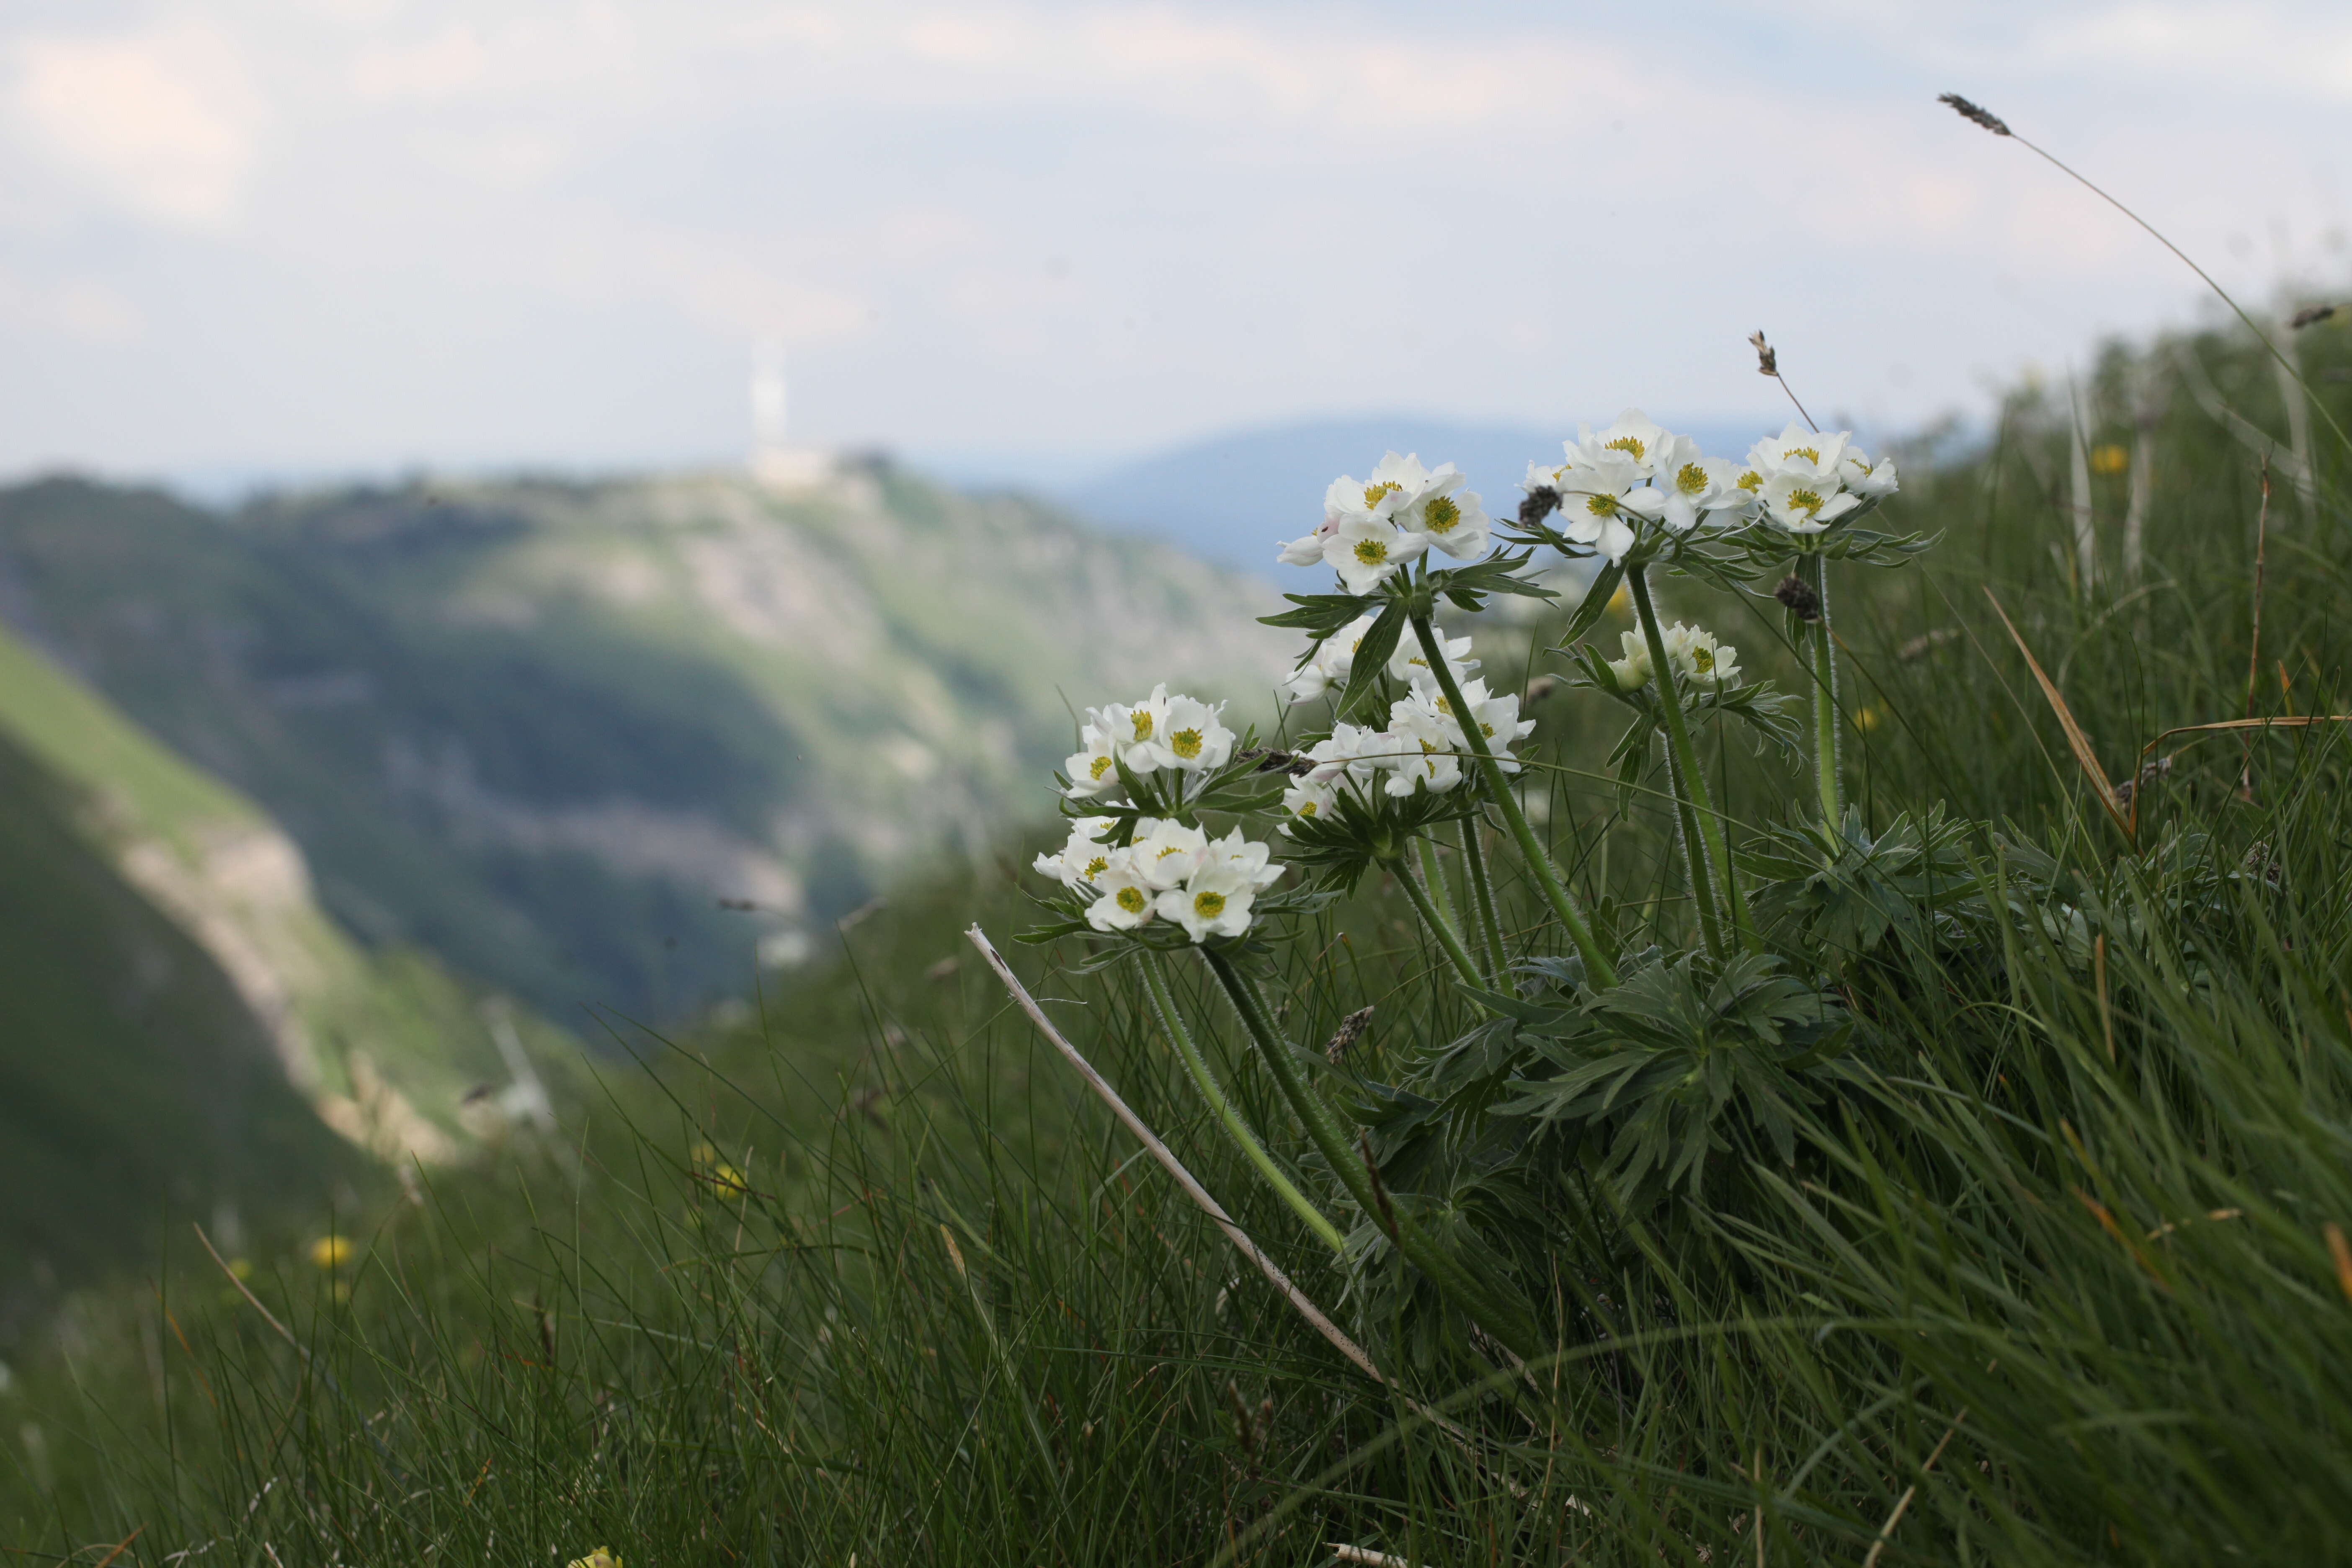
543, 730
186, 1028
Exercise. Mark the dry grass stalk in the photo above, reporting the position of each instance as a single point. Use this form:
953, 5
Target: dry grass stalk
2077, 742
1171, 1165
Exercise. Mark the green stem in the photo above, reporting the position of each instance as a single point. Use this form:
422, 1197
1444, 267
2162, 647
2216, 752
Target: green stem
1482, 894
1825, 673
1493, 1312
1722, 880
1598, 970
1710, 924
1439, 927
1432, 878
1163, 1002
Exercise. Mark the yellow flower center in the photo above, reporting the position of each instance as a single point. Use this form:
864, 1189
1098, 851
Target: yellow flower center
1488, 730
1751, 480
1372, 551
1185, 744
1207, 905
1702, 660
1306, 808
1099, 766
1443, 515
1172, 849
1600, 505
1806, 502
1809, 454
1142, 725
1690, 478
1132, 900
1093, 868
1629, 445
1444, 707
1372, 493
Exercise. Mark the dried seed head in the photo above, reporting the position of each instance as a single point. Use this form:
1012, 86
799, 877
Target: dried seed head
1767, 361
2309, 316
1798, 596
1541, 502
1352, 1029
1975, 113
1541, 686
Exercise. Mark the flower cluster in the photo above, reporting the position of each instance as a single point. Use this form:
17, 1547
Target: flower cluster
1170, 871
1373, 528
1696, 656
1636, 473
1424, 746
1177, 735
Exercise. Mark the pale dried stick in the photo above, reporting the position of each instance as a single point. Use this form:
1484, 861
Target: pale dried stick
1886, 1531
1171, 1164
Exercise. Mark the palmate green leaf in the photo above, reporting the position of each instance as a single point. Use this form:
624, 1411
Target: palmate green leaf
1499, 574
1319, 615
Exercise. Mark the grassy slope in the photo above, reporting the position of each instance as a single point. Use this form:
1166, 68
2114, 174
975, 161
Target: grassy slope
541, 729
1085, 1377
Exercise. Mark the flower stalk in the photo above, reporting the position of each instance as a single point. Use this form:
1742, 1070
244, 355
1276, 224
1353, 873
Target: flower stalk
1482, 893
1493, 1313
1822, 656
1441, 892
1448, 938
1713, 877
1597, 967
1171, 1022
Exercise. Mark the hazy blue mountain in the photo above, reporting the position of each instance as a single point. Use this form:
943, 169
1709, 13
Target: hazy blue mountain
1229, 498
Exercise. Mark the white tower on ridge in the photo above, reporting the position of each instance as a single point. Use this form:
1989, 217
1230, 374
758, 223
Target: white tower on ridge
775, 461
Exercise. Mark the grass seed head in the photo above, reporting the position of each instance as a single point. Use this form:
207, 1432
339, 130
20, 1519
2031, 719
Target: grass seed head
1975, 113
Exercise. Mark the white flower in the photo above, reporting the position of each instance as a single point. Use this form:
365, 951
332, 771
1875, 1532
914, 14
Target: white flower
1090, 767
1599, 501
1248, 855
1424, 745
1696, 656
1213, 901
1867, 478
1695, 485
1804, 503
1428, 714
1187, 735
1410, 663
1165, 853
1633, 671
1307, 798
1350, 753
1366, 551
1809, 454
1443, 513
1330, 663
1132, 727
1126, 900
1083, 858
1307, 548
1634, 437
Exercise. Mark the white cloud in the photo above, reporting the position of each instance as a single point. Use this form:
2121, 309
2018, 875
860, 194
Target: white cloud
162, 121
78, 308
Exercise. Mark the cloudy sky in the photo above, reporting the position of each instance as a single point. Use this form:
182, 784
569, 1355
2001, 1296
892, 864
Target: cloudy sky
332, 233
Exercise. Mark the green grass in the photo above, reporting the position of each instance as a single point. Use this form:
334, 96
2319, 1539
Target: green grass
2052, 1281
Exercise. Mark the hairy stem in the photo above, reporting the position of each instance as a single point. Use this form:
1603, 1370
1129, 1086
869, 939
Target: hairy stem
1823, 656
1492, 1310
1439, 926
1482, 894
1710, 923
1710, 856
1441, 893
1597, 967
1164, 1002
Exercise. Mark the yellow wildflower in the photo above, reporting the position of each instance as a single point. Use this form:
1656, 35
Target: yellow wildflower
331, 1251
2109, 459
602, 1557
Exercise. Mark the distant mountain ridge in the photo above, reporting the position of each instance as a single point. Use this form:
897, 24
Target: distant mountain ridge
543, 729
1231, 497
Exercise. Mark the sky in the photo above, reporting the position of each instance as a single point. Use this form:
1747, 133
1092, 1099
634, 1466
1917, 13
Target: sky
287, 236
